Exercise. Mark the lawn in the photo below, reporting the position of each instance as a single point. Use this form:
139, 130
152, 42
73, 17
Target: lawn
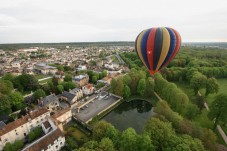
186, 88
76, 133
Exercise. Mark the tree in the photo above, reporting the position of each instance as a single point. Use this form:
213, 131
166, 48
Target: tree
113, 84
68, 85
119, 89
129, 140
127, 92
141, 87
100, 130
17, 100
71, 143
127, 80
211, 86
197, 82
25, 82
94, 79
106, 144
38, 94
145, 143
5, 106
104, 73
34, 134
5, 86
218, 109
17, 145
60, 88
8, 76
68, 78
160, 132
149, 87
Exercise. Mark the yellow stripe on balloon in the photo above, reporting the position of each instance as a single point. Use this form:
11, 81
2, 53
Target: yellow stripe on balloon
139, 51
165, 47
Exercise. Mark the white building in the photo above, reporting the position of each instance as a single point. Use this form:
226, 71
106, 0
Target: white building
88, 89
81, 67
45, 69
15, 64
20, 128
63, 116
53, 140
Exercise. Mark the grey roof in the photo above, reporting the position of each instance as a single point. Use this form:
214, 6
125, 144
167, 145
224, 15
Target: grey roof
2, 124
68, 95
50, 98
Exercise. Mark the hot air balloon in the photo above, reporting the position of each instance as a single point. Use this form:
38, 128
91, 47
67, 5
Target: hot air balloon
156, 47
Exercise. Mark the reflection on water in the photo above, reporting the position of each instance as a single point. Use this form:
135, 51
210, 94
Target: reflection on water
130, 114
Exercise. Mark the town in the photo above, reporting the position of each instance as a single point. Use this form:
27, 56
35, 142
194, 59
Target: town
82, 76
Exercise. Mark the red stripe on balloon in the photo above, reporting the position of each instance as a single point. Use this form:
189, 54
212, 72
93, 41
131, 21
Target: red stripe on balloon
150, 48
178, 43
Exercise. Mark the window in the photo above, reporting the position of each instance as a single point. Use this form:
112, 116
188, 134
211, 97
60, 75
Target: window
6, 140
37, 122
16, 133
56, 146
25, 134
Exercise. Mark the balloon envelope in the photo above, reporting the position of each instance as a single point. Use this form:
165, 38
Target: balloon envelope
156, 47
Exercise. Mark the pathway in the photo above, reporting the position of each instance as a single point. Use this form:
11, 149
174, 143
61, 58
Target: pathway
44, 79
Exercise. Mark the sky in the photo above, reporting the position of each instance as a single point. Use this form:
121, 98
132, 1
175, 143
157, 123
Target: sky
43, 21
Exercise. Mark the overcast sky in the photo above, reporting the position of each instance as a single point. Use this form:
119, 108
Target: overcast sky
25, 21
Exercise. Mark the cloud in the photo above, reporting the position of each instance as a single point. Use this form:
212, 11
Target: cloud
113, 20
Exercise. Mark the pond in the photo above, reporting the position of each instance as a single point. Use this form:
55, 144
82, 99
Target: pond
130, 114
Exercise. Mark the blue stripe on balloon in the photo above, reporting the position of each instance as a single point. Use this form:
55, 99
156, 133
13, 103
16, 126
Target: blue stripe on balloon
157, 47
144, 47
171, 47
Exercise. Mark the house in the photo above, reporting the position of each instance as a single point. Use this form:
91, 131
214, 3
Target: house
60, 75
78, 92
63, 116
20, 128
81, 67
16, 64
45, 69
88, 89
81, 80
53, 140
68, 97
105, 80
50, 102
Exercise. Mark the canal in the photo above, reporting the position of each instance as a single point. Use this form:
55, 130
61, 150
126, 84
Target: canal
130, 114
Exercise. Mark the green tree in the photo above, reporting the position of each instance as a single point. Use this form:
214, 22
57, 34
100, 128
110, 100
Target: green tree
141, 87
16, 100
38, 94
34, 134
218, 109
113, 84
149, 87
160, 132
68, 78
106, 144
60, 88
129, 140
145, 143
71, 143
26, 82
104, 73
127, 80
100, 130
17, 145
119, 89
5, 86
5, 106
68, 85
127, 92
211, 86
94, 79
197, 82
8, 76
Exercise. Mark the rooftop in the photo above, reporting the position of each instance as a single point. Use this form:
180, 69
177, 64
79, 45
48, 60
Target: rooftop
21, 121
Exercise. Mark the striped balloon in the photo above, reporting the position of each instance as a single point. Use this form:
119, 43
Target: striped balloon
156, 47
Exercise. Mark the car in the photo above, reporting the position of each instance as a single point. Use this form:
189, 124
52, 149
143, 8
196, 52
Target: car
86, 106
